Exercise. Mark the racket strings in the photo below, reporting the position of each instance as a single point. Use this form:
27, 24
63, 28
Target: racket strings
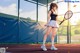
68, 14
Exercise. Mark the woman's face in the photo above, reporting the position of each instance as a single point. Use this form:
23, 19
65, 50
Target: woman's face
54, 8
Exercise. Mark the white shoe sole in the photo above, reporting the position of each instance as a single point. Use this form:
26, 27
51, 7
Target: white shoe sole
54, 49
42, 47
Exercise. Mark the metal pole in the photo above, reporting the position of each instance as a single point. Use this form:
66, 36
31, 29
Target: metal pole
18, 19
18, 9
47, 10
37, 21
70, 33
68, 27
37, 12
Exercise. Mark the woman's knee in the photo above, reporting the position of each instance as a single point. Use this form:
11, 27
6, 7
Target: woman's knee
53, 35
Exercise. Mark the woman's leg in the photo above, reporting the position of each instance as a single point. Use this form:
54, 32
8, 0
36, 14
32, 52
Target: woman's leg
46, 34
45, 37
54, 31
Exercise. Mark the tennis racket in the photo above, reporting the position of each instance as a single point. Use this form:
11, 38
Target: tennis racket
67, 16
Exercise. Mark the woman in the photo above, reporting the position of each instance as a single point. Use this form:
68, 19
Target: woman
52, 26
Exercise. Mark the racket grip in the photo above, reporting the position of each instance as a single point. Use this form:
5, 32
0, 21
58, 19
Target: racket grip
61, 22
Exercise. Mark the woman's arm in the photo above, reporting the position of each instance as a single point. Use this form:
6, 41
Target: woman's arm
49, 13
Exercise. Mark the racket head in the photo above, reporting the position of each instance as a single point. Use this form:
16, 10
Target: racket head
68, 15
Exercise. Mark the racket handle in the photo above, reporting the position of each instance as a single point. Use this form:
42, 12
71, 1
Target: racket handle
61, 22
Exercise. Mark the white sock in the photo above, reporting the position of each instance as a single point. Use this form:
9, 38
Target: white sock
52, 42
44, 41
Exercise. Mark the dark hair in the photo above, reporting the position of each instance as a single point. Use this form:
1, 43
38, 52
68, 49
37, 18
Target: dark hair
53, 5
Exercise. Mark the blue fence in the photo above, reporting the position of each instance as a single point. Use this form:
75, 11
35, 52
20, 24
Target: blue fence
12, 31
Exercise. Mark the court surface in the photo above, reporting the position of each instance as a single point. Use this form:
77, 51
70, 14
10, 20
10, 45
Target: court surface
35, 48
